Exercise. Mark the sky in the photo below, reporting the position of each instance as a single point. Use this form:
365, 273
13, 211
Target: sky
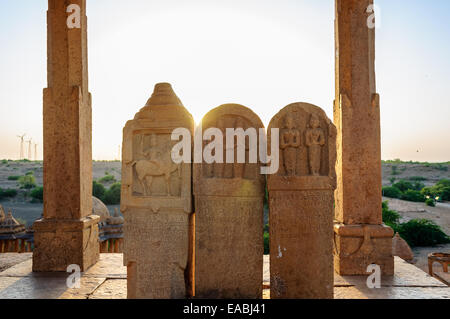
259, 53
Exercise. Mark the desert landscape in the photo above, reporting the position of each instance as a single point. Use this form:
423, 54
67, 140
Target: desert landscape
27, 210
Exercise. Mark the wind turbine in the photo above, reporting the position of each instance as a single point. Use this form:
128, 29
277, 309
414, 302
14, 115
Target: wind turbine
35, 151
21, 145
29, 148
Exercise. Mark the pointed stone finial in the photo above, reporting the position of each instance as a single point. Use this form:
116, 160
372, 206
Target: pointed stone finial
163, 95
164, 100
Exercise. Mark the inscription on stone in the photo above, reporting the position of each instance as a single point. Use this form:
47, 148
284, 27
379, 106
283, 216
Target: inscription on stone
156, 201
229, 216
301, 198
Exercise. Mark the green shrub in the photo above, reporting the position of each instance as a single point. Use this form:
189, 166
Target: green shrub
441, 190
422, 233
395, 170
13, 178
418, 186
392, 180
98, 190
266, 243
7, 193
413, 196
38, 193
27, 182
29, 173
440, 167
403, 185
417, 178
429, 191
392, 192
444, 183
417, 232
107, 179
4, 162
266, 197
430, 202
112, 195
389, 216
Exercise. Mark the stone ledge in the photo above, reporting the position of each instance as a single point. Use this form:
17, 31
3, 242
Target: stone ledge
63, 225
107, 280
376, 231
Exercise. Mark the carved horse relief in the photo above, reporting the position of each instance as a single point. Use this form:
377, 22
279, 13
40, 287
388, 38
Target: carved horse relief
158, 163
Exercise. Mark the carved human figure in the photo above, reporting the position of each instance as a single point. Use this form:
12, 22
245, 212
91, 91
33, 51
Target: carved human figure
153, 154
290, 142
315, 140
239, 168
153, 166
219, 168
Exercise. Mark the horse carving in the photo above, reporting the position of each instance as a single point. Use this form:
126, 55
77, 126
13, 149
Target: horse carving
154, 166
146, 170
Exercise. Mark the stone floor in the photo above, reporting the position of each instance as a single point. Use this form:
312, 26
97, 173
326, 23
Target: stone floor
107, 280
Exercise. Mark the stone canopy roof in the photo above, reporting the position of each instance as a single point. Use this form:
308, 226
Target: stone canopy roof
9, 226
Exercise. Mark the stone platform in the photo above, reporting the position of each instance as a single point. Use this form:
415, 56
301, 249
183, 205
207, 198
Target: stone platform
107, 280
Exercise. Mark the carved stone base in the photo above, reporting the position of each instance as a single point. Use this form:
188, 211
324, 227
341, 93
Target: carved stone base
156, 253
60, 243
358, 246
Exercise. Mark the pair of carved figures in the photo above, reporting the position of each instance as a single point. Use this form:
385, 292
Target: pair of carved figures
291, 141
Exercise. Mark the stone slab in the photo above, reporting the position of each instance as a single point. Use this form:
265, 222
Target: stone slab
392, 293
8, 260
301, 202
229, 213
46, 287
156, 200
110, 266
111, 289
406, 275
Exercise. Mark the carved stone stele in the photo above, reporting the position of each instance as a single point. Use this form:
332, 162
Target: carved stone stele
156, 200
301, 198
229, 216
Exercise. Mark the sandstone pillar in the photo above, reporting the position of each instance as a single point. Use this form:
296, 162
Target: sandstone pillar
361, 238
229, 214
68, 233
301, 197
156, 200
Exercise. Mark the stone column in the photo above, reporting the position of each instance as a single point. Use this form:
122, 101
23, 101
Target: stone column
68, 233
301, 197
156, 200
229, 213
360, 236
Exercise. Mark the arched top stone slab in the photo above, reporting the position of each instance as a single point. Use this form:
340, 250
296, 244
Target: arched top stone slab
226, 179
230, 110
